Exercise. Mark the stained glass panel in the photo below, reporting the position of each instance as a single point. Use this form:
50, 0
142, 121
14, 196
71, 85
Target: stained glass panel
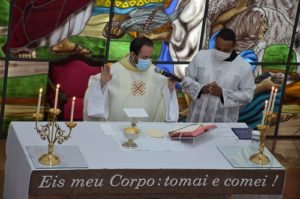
4, 10
296, 44
290, 116
2, 65
54, 30
259, 25
23, 83
174, 25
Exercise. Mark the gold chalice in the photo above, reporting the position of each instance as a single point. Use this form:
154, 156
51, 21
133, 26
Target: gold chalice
131, 133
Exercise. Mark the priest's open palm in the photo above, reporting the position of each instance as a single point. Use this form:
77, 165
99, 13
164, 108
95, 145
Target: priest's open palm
105, 75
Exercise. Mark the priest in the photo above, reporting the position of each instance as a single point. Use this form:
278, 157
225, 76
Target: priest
131, 83
219, 82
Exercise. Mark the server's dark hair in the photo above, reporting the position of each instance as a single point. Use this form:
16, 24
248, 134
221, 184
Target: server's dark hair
227, 34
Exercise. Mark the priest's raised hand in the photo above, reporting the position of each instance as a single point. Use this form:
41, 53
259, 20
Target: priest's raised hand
105, 75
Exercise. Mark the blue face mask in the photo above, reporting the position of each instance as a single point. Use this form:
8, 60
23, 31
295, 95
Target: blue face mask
143, 64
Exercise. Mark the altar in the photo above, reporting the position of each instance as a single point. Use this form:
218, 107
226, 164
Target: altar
212, 165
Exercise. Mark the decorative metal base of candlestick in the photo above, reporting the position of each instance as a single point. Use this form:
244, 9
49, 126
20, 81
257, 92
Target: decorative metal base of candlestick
130, 144
53, 134
260, 158
49, 159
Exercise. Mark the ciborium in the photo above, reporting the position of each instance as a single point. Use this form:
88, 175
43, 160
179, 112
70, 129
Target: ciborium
53, 133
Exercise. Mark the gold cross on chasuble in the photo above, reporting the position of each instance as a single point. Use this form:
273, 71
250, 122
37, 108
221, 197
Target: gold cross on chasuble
138, 88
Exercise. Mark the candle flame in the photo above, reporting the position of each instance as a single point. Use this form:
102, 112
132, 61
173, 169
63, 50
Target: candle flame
41, 90
58, 85
74, 98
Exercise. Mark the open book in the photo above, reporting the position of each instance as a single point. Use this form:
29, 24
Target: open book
190, 132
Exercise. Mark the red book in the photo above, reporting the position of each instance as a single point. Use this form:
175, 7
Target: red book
194, 133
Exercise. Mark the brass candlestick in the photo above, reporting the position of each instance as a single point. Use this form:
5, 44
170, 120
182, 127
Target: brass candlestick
53, 133
260, 157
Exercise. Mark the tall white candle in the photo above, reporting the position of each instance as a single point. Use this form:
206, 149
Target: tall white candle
270, 99
56, 95
72, 109
264, 113
273, 101
39, 101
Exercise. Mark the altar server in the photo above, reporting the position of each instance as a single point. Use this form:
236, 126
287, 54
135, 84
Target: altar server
219, 82
131, 83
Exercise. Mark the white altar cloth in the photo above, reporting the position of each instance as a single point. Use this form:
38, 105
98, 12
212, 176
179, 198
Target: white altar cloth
100, 151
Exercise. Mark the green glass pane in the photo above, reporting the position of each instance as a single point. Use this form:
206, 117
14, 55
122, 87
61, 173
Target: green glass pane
278, 53
4, 10
25, 87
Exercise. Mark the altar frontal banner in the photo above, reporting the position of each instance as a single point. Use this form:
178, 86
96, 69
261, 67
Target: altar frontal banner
157, 181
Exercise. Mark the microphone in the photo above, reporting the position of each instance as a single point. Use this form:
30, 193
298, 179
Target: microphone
167, 74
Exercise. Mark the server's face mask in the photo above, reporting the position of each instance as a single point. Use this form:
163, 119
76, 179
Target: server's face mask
223, 49
221, 55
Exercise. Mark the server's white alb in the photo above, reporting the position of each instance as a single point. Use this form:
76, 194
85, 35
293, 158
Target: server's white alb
234, 77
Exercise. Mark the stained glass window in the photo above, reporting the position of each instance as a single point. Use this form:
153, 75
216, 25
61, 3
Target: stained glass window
54, 30
4, 10
290, 116
98, 30
2, 63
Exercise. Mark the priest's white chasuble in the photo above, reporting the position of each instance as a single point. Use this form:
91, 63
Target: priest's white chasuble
130, 88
